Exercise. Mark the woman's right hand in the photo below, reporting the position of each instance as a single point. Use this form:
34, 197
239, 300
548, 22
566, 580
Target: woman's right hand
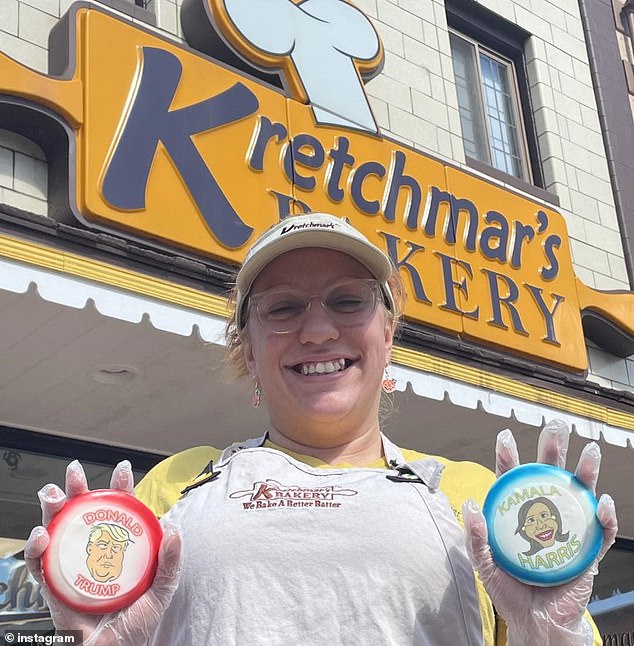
136, 623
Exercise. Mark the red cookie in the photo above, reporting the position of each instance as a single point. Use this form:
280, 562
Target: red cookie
103, 551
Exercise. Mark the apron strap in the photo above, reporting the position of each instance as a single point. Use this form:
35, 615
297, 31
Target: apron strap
239, 446
427, 470
393, 455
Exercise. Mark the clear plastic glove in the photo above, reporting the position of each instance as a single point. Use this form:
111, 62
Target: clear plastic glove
539, 616
135, 624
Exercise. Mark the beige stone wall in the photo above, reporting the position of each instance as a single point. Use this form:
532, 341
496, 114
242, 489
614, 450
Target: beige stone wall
23, 174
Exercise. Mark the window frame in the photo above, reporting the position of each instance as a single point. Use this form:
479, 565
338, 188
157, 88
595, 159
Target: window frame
506, 41
517, 113
59, 446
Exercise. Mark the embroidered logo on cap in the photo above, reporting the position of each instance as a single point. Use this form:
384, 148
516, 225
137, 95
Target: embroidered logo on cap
307, 225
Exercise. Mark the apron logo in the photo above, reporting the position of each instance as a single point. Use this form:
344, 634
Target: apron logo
270, 494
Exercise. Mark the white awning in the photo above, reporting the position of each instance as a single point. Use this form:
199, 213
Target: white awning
441, 388
125, 305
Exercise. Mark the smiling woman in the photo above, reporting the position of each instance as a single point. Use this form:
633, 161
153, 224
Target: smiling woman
321, 531
322, 379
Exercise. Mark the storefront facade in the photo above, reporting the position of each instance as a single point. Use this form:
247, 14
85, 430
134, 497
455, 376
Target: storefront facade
143, 148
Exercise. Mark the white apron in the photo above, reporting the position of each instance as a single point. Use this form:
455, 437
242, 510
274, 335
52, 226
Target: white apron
277, 553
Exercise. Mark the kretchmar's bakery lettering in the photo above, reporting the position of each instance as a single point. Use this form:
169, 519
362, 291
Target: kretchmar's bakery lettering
274, 495
20, 596
171, 146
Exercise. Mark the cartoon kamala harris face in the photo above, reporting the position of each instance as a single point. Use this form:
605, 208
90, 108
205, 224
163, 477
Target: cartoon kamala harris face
539, 522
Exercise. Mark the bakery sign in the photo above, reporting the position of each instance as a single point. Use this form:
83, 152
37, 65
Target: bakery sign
195, 152
20, 598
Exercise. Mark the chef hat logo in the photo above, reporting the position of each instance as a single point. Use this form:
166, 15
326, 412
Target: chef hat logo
332, 33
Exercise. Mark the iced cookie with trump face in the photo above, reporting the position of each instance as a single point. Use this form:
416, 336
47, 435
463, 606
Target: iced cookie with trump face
103, 551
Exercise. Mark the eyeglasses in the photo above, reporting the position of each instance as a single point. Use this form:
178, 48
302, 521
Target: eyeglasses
348, 303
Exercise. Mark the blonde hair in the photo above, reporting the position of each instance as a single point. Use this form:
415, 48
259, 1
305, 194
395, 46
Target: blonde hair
235, 338
117, 533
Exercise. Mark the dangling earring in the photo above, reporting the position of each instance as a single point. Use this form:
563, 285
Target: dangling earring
257, 395
388, 385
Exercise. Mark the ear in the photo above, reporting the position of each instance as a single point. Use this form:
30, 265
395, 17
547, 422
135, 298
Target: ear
249, 358
390, 329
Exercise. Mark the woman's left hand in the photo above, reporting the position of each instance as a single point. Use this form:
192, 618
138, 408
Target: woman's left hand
540, 615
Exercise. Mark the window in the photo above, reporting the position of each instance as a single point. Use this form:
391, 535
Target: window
489, 110
493, 97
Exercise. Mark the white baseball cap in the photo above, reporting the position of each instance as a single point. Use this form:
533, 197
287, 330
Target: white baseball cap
319, 230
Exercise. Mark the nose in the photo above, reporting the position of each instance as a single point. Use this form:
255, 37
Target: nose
318, 326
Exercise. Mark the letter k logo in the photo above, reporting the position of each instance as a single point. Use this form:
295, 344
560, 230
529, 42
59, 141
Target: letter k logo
151, 121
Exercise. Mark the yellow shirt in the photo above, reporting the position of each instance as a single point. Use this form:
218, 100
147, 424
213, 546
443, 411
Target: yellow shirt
162, 487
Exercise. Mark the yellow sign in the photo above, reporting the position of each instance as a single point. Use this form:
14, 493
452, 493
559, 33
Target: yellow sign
174, 147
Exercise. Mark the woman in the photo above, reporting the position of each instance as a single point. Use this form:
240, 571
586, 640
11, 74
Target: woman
539, 522
321, 531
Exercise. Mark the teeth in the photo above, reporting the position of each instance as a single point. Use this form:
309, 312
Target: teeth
323, 368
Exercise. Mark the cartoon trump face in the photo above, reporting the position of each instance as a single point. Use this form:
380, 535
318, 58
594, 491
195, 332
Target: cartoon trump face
539, 522
106, 548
